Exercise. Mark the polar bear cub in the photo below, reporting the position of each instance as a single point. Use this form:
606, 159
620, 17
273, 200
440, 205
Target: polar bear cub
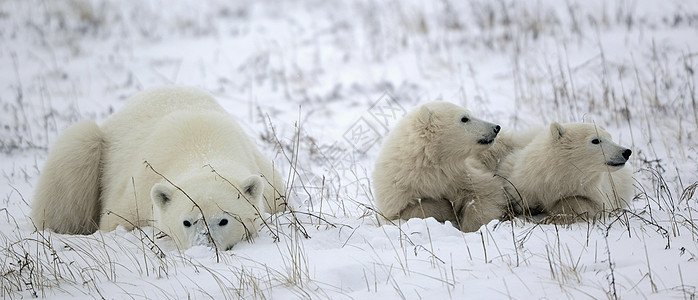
424, 168
569, 171
171, 158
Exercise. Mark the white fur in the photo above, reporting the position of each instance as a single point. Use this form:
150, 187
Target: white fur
70, 175
506, 143
562, 172
183, 134
424, 168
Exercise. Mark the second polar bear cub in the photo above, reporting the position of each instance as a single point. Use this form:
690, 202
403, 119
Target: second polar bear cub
172, 158
569, 171
424, 168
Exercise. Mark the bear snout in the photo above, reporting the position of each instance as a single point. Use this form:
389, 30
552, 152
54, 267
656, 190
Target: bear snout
619, 161
488, 138
626, 153
202, 238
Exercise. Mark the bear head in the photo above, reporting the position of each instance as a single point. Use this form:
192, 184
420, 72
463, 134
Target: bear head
588, 146
229, 208
452, 132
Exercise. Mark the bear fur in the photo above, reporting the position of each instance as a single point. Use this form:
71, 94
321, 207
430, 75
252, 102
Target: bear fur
70, 175
184, 135
570, 171
425, 168
507, 142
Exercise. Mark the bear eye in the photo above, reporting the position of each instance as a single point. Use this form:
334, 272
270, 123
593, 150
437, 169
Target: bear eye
186, 224
223, 222
464, 119
595, 141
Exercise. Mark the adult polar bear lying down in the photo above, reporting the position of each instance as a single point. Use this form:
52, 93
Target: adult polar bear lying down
96, 177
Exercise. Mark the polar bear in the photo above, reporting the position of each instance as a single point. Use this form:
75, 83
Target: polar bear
569, 171
171, 158
424, 168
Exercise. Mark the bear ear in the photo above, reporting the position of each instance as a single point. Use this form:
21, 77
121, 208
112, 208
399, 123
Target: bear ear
161, 195
556, 131
424, 119
253, 187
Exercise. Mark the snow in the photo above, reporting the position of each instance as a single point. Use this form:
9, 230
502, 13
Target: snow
305, 78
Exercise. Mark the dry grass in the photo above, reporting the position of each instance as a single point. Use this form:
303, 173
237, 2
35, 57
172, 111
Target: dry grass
647, 98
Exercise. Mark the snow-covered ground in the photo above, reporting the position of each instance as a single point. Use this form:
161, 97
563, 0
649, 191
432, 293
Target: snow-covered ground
318, 84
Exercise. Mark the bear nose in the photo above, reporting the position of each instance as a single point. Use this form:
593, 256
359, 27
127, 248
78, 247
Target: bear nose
626, 153
497, 128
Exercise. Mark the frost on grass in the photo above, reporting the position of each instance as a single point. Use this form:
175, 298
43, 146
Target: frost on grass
304, 78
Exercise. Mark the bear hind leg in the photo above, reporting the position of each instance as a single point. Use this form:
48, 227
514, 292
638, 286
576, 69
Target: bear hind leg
66, 198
